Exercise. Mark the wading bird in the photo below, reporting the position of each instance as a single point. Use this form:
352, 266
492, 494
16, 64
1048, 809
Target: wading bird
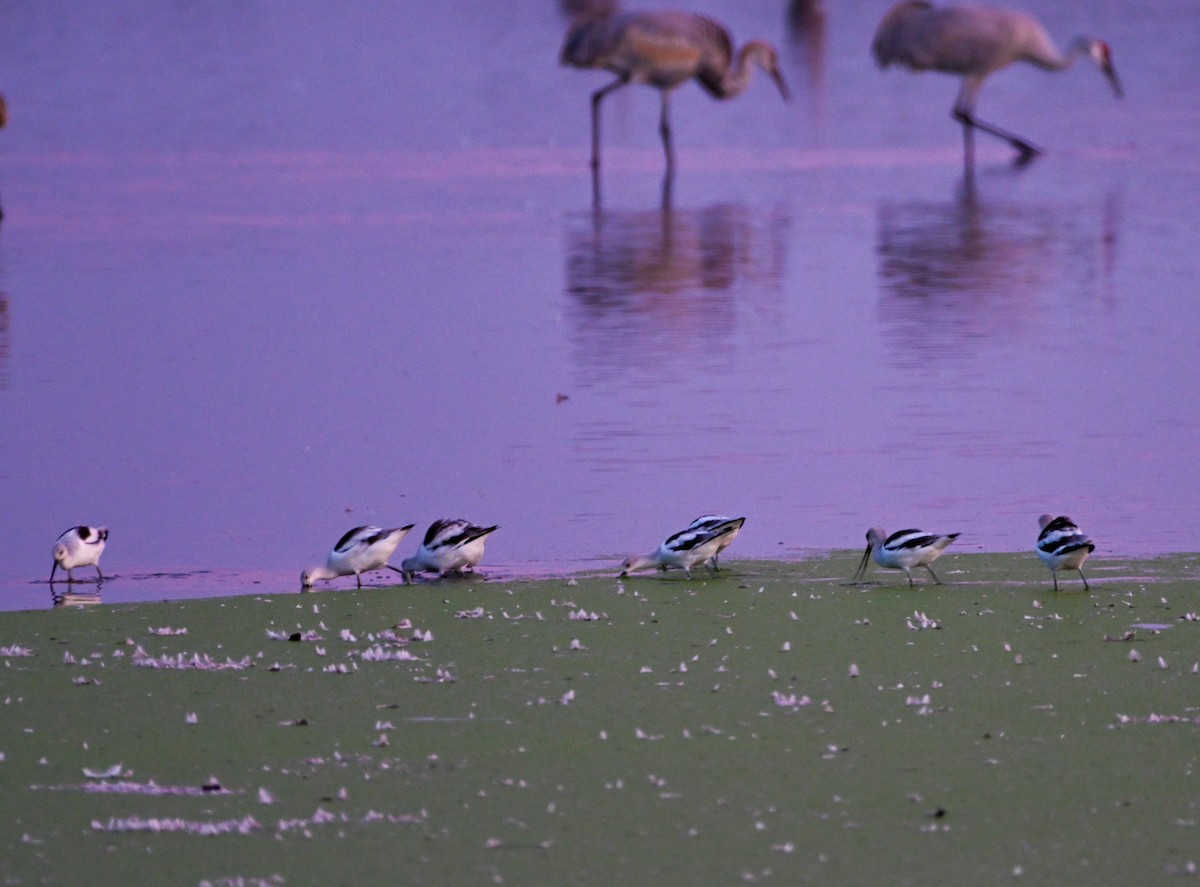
79, 547
903, 550
973, 42
664, 49
1063, 546
361, 550
686, 549
450, 546
711, 522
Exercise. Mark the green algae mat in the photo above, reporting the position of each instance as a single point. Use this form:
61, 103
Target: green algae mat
771, 725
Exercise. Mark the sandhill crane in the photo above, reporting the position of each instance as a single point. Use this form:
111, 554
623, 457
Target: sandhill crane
972, 42
664, 49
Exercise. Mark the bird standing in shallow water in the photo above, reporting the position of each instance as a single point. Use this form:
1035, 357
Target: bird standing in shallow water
361, 550
1063, 546
973, 42
450, 546
903, 550
664, 49
687, 548
79, 547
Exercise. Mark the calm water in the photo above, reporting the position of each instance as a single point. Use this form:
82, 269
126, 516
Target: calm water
270, 270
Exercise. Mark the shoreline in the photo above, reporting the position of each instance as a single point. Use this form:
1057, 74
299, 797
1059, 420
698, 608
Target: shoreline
180, 585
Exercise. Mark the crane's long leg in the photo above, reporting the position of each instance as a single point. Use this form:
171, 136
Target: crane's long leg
597, 97
664, 128
933, 574
964, 112
1086, 587
1025, 151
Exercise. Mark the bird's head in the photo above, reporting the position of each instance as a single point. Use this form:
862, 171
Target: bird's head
633, 562
766, 57
1101, 53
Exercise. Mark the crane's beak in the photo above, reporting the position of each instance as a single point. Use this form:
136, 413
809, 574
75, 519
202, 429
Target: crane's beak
777, 76
1111, 73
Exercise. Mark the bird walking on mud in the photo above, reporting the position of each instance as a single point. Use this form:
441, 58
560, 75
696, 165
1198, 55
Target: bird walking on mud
712, 522
361, 550
698, 544
903, 550
974, 42
664, 49
79, 547
450, 546
1063, 546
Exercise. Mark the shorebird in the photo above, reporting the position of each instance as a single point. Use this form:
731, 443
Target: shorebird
973, 42
711, 522
79, 547
903, 550
664, 49
450, 546
686, 549
1063, 546
361, 550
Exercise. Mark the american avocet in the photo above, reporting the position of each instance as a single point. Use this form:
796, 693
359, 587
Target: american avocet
1063, 546
685, 549
361, 550
903, 550
79, 547
450, 546
711, 522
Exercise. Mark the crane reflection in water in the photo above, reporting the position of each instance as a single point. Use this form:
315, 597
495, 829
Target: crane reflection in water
647, 287
957, 274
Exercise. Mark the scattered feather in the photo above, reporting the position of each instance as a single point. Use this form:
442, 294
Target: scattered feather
244, 826
922, 622
182, 661
111, 773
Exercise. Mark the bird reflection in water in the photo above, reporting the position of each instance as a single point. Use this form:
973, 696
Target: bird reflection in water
60, 598
4, 341
957, 273
648, 285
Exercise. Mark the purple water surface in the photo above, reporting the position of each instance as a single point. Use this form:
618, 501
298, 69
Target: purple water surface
272, 270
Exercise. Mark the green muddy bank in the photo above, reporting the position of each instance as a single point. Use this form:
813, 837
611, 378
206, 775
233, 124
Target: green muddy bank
770, 725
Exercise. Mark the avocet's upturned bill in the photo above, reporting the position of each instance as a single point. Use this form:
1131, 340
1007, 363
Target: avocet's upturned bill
903, 550
1063, 546
711, 522
361, 550
686, 549
450, 546
79, 547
